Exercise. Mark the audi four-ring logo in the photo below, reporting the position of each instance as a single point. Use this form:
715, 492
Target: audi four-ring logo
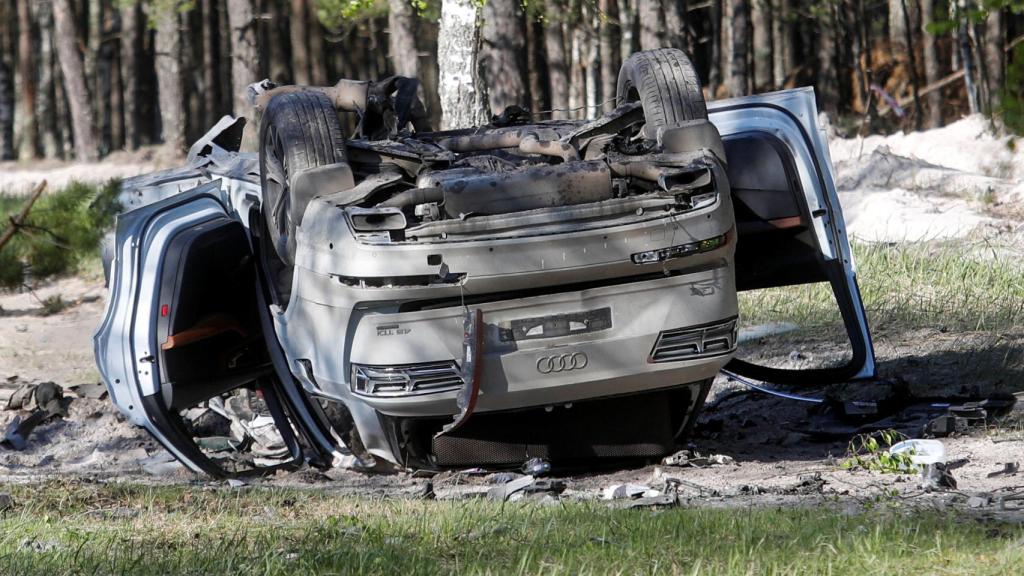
562, 362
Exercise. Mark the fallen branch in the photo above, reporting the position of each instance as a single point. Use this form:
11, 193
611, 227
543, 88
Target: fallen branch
16, 221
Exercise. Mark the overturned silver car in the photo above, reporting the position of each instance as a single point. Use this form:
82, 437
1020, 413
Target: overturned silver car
558, 289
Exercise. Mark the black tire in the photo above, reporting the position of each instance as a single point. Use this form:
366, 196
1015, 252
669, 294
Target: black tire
666, 84
299, 130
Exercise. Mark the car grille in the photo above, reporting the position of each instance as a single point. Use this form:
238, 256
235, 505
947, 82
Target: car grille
695, 342
407, 380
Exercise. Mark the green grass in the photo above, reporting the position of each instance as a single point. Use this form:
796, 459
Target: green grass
81, 528
61, 234
953, 285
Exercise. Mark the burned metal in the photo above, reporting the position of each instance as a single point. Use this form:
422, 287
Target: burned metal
485, 296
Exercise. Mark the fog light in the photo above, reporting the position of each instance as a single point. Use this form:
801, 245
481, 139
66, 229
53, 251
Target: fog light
406, 380
678, 251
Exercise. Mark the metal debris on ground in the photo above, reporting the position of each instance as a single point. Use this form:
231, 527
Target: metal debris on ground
38, 403
161, 464
1009, 469
93, 391
692, 458
627, 491
665, 500
6, 502
536, 467
237, 431
502, 492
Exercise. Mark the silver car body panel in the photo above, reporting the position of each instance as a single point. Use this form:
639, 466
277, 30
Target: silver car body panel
335, 318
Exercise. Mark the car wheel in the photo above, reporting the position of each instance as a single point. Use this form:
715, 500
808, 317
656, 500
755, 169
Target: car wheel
299, 131
665, 83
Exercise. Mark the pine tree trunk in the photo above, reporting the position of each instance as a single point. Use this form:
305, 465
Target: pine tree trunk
27, 71
761, 16
628, 42
170, 91
245, 64
317, 60
675, 25
592, 62
897, 30
739, 71
558, 67
210, 89
461, 87
536, 70
577, 67
46, 110
716, 71
780, 43
6, 108
77, 91
827, 86
504, 54
650, 24
912, 62
994, 56
609, 48
274, 37
967, 58
131, 47
402, 38
299, 36
931, 64
112, 57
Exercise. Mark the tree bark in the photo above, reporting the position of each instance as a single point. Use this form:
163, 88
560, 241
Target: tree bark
739, 71
131, 47
27, 72
897, 30
827, 86
170, 92
111, 55
504, 54
780, 42
761, 15
931, 64
577, 68
650, 24
317, 61
966, 57
6, 111
461, 88
536, 70
77, 91
994, 56
558, 67
675, 25
628, 42
49, 135
211, 88
912, 60
402, 38
245, 64
609, 48
299, 36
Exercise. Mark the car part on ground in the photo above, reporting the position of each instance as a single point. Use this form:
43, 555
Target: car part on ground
595, 259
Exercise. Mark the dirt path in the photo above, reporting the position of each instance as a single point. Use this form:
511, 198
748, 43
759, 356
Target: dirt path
773, 462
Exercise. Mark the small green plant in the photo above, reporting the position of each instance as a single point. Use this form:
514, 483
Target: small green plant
53, 305
871, 452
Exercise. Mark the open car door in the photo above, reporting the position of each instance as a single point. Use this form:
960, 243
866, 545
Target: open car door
789, 223
183, 334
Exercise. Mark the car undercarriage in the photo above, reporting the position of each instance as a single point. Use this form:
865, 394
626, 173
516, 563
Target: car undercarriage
556, 289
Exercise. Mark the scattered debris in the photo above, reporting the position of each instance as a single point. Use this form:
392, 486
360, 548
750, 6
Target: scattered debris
1009, 469
688, 457
625, 491
502, 492
6, 502
162, 463
536, 467
93, 391
236, 483
666, 500
978, 501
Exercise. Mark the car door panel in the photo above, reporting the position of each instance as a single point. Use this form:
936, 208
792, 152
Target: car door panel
789, 220
178, 263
